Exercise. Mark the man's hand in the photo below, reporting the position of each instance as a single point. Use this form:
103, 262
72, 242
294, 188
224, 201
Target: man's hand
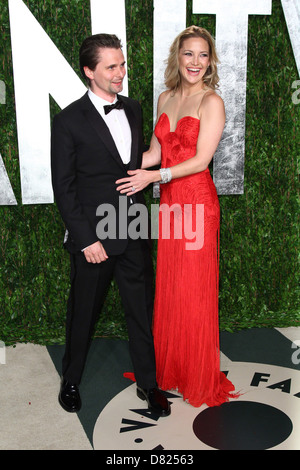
95, 253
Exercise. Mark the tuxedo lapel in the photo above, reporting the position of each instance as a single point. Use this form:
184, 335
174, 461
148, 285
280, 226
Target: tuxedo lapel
134, 133
104, 134
101, 128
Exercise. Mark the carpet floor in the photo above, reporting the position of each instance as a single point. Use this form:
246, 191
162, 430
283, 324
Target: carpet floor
264, 365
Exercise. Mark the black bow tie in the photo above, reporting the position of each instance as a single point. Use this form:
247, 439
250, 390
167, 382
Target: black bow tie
117, 105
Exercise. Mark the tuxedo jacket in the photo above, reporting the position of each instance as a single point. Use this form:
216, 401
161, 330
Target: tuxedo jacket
85, 165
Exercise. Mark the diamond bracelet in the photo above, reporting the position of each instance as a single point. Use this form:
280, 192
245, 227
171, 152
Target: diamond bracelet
166, 175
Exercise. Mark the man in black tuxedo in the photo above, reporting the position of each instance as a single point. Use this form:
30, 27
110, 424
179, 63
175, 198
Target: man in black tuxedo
93, 146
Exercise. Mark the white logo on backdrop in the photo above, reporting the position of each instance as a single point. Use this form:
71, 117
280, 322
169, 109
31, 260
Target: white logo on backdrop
31, 43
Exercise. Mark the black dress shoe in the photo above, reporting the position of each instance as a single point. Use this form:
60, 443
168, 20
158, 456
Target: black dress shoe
69, 397
157, 402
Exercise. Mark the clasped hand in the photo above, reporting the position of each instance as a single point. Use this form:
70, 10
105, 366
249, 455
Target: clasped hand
136, 181
95, 253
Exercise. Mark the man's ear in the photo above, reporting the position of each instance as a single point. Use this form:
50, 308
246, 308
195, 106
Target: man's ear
88, 72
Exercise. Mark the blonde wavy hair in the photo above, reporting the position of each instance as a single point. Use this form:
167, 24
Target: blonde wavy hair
172, 74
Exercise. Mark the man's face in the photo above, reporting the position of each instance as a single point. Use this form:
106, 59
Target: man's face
107, 78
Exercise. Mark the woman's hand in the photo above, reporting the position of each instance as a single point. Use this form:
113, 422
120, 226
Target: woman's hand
136, 181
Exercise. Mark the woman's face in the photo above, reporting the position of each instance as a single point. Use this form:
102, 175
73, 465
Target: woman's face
193, 60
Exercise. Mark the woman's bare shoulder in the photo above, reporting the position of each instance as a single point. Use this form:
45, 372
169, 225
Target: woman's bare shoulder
163, 97
212, 102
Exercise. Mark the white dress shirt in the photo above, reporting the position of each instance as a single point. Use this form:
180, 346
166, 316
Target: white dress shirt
117, 124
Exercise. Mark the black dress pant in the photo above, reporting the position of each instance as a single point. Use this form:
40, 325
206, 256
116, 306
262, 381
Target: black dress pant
89, 284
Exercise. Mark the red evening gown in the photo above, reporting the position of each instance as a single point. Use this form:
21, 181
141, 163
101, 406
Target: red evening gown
185, 327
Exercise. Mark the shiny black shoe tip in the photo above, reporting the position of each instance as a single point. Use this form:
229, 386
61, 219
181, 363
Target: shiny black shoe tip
156, 400
69, 397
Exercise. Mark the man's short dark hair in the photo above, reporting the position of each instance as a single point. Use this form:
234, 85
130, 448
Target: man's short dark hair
89, 50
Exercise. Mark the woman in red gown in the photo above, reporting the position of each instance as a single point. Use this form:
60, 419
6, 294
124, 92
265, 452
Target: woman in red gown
190, 123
